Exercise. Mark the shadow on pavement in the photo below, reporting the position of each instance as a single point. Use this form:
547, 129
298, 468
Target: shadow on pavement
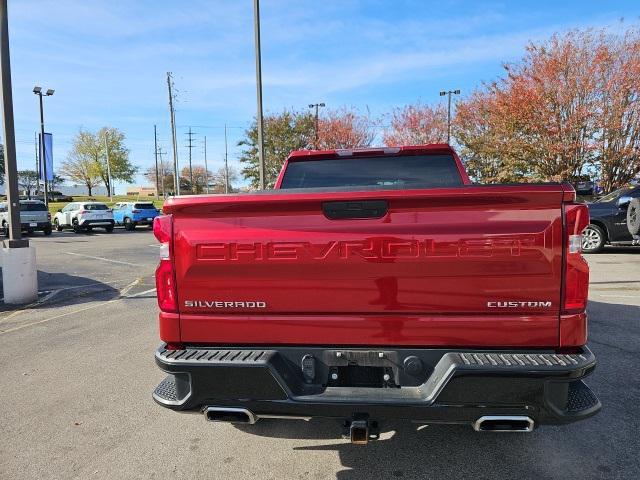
57, 288
604, 446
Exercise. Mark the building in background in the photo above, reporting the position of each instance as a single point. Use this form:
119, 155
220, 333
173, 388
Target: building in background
141, 191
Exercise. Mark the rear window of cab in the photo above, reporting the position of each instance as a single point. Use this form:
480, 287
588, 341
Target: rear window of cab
144, 206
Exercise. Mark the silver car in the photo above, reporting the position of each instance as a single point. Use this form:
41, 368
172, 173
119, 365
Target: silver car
34, 215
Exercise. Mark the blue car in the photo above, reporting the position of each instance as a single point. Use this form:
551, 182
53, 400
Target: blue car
132, 214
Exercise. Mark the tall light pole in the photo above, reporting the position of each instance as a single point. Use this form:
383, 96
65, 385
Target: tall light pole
19, 273
316, 106
106, 146
260, 123
442, 94
43, 156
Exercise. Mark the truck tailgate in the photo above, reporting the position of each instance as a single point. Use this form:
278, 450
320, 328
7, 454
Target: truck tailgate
476, 265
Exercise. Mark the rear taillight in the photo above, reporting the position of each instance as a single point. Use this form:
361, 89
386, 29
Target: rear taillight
576, 281
49, 216
165, 275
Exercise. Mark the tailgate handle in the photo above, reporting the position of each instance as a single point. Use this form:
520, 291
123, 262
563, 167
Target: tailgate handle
355, 209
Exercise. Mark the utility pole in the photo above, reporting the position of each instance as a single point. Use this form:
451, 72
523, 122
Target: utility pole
106, 147
206, 166
172, 113
259, 121
155, 142
316, 106
226, 162
160, 153
19, 273
190, 146
442, 94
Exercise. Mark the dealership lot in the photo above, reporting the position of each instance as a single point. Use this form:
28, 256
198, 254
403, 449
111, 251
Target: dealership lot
78, 372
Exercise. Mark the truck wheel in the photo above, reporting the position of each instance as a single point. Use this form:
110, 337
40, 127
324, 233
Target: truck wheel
89, 229
108, 229
633, 216
47, 230
5, 229
592, 239
56, 223
75, 225
129, 224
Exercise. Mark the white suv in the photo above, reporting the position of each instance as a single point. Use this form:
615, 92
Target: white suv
84, 216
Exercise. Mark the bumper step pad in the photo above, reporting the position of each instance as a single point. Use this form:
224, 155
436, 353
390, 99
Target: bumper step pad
580, 398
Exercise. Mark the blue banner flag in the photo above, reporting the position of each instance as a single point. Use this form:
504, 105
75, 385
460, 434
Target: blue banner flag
48, 157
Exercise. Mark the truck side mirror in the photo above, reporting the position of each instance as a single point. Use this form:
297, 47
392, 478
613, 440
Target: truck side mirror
624, 201
59, 210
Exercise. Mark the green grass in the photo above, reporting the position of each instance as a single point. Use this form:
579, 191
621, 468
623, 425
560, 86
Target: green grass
55, 206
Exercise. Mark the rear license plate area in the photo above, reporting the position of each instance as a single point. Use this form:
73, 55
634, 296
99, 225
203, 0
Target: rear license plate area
359, 377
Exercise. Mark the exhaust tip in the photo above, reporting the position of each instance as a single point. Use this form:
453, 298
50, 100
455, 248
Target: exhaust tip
504, 423
229, 415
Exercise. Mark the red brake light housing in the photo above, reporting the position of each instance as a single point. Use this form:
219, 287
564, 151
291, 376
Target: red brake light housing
165, 274
576, 279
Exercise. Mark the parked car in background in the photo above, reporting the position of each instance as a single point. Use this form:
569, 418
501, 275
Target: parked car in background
34, 215
132, 214
84, 216
585, 187
55, 196
608, 224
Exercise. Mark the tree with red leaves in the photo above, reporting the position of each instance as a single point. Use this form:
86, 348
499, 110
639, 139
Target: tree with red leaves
345, 128
417, 125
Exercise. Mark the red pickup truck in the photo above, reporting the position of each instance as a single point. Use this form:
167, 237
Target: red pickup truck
375, 284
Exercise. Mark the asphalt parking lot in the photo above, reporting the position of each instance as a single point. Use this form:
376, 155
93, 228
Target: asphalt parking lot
78, 372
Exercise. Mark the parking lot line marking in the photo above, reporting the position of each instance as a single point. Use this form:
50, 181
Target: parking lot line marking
141, 293
105, 259
55, 317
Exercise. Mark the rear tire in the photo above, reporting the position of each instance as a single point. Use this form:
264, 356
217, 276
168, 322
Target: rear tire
47, 230
56, 224
633, 216
75, 225
5, 229
89, 229
593, 239
108, 229
129, 224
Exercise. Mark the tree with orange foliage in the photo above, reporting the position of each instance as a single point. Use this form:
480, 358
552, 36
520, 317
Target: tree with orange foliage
568, 107
345, 128
417, 125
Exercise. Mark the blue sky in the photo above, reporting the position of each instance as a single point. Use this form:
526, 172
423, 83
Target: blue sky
107, 60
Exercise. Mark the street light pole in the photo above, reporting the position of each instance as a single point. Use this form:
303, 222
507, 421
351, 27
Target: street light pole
43, 156
442, 94
19, 272
13, 198
316, 106
106, 146
259, 120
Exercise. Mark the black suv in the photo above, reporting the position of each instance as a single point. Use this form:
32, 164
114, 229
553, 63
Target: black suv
609, 220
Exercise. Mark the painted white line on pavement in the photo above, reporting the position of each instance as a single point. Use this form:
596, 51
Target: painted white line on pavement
105, 259
55, 317
141, 293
